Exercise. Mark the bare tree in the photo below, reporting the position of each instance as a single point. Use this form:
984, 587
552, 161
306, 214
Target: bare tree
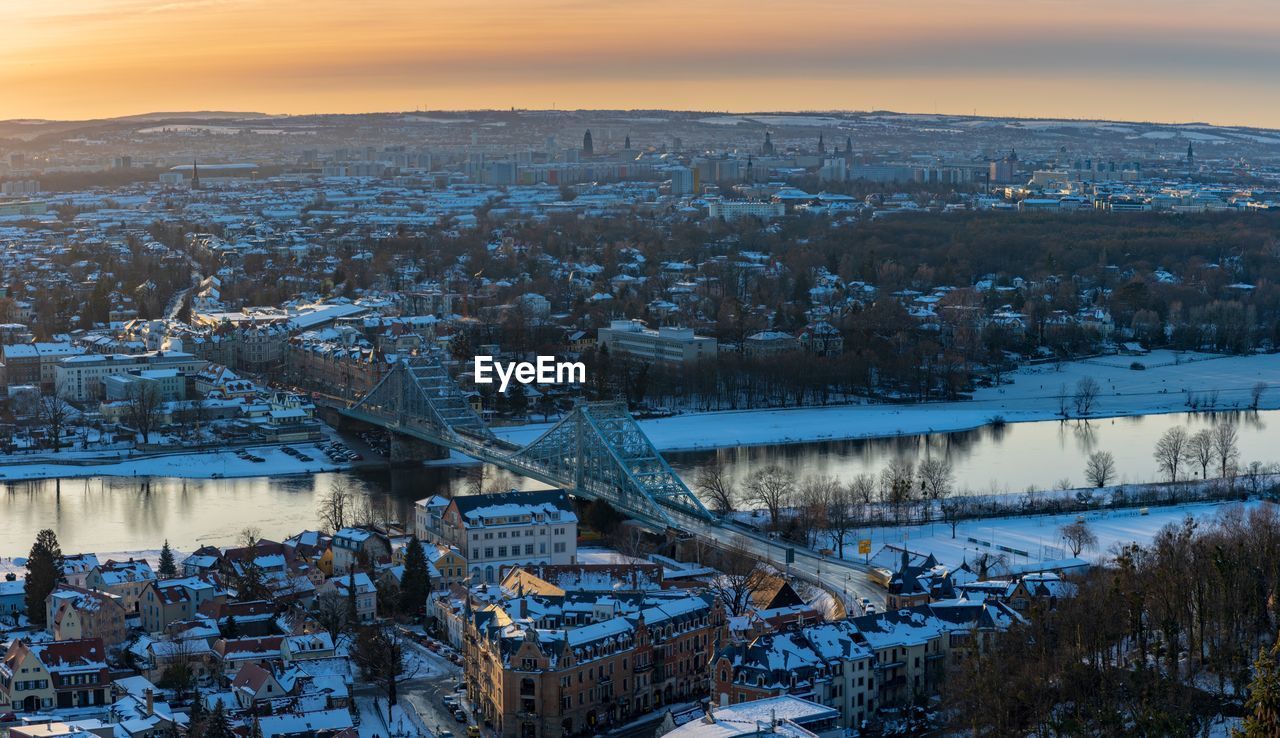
1200, 450
741, 575
1100, 469
249, 536
380, 656
954, 510
1226, 447
54, 413
841, 521
896, 485
862, 489
334, 509
936, 478
813, 500
333, 614
1064, 402
773, 487
1086, 395
142, 409
714, 486
1171, 451
1255, 395
1078, 537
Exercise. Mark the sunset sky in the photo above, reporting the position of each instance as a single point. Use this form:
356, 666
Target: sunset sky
1162, 60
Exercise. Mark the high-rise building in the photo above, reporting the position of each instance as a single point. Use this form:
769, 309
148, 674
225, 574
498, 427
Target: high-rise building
681, 181
587, 148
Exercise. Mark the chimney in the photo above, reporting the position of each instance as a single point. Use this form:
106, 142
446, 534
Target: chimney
151, 702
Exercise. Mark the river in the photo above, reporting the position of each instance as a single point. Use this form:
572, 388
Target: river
110, 514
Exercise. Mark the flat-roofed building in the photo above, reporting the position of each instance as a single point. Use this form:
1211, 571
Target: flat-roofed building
669, 346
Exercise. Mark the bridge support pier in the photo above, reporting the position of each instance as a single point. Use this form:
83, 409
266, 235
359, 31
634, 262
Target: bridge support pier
410, 450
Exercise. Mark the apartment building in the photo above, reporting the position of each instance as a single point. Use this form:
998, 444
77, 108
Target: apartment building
495, 532
826, 663
80, 378
534, 683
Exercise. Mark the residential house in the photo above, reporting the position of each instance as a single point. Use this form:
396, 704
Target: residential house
72, 613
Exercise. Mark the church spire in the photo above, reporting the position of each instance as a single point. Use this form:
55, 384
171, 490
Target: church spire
195, 175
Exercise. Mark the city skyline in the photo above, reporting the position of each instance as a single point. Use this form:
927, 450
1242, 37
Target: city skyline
1186, 63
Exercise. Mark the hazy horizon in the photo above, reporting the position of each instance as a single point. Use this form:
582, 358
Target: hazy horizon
1171, 61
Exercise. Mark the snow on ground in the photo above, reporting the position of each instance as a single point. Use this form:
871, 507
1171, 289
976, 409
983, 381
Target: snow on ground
375, 722
427, 664
1033, 394
184, 464
1038, 536
604, 556
18, 564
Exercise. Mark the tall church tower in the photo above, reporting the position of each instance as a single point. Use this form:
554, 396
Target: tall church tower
195, 175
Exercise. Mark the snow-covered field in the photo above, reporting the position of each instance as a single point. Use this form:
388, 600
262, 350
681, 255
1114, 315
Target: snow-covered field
188, 464
1038, 536
1033, 394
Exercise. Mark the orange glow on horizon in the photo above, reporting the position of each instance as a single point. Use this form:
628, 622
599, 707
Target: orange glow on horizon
1166, 60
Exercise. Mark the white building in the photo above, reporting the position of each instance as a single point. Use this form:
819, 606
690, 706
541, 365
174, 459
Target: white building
731, 210
670, 346
495, 532
80, 378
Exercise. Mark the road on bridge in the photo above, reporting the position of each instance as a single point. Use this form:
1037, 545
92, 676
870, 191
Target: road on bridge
848, 580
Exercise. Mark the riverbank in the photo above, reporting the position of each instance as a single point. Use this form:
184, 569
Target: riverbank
1164, 386
1032, 394
181, 464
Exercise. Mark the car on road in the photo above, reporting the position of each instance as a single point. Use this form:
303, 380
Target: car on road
460, 716
473, 731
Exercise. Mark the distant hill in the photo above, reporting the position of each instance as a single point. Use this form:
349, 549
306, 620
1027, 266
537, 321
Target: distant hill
27, 129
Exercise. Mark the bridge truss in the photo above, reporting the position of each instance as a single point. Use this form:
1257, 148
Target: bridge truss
597, 451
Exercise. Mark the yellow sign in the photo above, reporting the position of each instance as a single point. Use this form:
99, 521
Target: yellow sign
864, 546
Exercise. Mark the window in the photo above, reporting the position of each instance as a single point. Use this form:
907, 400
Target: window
528, 549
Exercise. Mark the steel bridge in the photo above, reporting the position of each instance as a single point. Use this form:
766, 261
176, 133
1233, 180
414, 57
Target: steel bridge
597, 451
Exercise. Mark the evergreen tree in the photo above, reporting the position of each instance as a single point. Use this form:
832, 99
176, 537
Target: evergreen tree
196, 713
44, 572
415, 586
1263, 720
231, 629
353, 612
168, 569
218, 726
